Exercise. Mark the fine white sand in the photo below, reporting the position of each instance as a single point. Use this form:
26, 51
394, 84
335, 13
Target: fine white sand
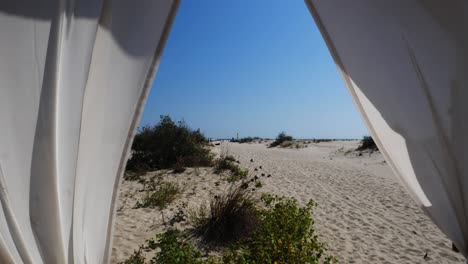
363, 213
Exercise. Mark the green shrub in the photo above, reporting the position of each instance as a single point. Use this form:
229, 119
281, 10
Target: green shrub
160, 196
282, 137
321, 140
237, 174
286, 144
367, 142
285, 235
136, 258
175, 251
179, 166
168, 144
248, 139
133, 175
231, 216
258, 184
228, 162
198, 217
282, 232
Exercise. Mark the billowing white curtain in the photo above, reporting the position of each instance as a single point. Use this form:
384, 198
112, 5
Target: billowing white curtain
74, 75
405, 63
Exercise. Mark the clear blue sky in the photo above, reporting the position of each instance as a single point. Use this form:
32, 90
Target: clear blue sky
252, 67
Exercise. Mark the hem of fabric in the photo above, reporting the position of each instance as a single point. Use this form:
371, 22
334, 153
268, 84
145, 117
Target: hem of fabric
134, 123
349, 86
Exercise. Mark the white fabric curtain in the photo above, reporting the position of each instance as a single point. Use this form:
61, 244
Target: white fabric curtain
405, 65
73, 78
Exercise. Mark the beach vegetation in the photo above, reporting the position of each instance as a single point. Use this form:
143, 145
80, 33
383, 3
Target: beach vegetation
318, 140
284, 234
367, 143
159, 196
231, 216
258, 184
168, 145
279, 230
175, 250
249, 139
280, 139
136, 258
228, 163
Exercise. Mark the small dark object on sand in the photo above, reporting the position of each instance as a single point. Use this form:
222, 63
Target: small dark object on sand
251, 180
238, 162
251, 160
263, 174
269, 175
245, 185
261, 167
255, 177
217, 144
425, 256
255, 169
414, 232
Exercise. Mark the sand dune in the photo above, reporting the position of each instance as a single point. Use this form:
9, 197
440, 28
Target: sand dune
363, 213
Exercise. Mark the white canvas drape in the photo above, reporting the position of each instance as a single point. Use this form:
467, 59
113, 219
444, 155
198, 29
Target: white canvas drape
73, 78
405, 64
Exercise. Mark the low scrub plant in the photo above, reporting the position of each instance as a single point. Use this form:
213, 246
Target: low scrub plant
174, 250
160, 196
248, 139
280, 139
318, 140
287, 144
285, 234
367, 142
228, 163
231, 216
282, 232
168, 145
258, 184
136, 258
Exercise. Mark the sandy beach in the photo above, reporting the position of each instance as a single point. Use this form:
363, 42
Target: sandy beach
364, 214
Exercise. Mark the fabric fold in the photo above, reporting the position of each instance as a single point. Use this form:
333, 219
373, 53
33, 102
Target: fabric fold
75, 75
405, 65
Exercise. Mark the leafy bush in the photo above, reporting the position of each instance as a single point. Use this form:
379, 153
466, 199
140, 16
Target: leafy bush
168, 144
160, 197
179, 166
228, 162
248, 139
321, 140
282, 137
231, 216
258, 184
285, 235
286, 144
175, 251
367, 142
280, 232
136, 258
